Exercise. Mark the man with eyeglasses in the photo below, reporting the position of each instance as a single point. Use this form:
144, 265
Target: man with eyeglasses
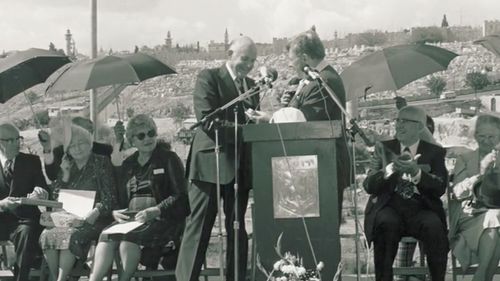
407, 177
21, 176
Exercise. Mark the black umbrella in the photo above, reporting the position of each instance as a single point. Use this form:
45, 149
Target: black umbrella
109, 70
24, 69
490, 42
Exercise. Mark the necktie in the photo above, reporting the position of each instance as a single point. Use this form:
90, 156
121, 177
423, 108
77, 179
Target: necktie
405, 188
8, 172
240, 85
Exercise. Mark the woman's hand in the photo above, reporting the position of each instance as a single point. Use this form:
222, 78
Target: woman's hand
486, 161
120, 217
65, 167
92, 216
148, 214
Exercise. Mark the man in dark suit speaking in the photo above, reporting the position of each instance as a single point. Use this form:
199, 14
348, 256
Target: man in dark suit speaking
306, 49
213, 89
21, 176
406, 180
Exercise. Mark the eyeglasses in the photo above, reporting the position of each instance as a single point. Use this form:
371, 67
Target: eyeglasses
405, 121
142, 136
12, 140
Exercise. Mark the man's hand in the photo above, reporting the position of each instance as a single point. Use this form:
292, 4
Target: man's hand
92, 216
44, 138
405, 165
286, 98
257, 116
148, 214
39, 193
8, 204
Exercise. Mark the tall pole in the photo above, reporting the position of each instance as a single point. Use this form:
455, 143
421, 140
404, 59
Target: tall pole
93, 93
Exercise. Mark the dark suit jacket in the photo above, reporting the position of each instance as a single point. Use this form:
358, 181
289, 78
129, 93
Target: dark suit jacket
53, 168
213, 89
315, 102
27, 174
317, 105
431, 187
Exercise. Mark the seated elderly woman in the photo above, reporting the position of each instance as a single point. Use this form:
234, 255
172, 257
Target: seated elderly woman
153, 185
474, 229
82, 170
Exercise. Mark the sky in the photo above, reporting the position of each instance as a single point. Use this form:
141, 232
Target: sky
122, 24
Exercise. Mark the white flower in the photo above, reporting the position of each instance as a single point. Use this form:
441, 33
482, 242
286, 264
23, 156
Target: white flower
320, 266
301, 271
288, 269
277, 265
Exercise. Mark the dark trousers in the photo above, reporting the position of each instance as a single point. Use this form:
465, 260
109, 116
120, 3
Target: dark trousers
394, 221
24, 235
203, 203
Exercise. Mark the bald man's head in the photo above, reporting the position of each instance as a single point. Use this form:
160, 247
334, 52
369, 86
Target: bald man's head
242, 55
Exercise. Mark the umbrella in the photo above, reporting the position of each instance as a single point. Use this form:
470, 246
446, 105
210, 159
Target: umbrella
490, 42
24, 69
109, 70
393, 67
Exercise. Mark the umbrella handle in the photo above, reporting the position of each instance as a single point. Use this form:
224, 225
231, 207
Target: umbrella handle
35, 119
117, 101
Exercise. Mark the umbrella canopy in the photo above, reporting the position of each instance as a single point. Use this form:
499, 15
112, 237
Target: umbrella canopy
490, 42
393, 67
24, 69
109, 70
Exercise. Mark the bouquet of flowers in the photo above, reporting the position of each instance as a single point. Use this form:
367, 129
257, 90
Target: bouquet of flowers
291, 268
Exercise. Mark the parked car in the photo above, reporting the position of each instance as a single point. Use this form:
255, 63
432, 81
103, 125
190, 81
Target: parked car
448, 95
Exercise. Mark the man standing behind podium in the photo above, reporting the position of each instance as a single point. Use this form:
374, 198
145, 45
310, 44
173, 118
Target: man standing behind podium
214, 88
306, 49
21, 176
407, 177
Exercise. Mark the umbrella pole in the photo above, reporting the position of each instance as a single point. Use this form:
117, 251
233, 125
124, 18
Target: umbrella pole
117, 101
35, 119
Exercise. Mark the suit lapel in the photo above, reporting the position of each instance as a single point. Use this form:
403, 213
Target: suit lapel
228, 88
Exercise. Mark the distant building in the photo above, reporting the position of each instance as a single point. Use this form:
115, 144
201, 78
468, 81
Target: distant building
491, 27
72, 111
216, 49
264, 49
168, 41
279, 45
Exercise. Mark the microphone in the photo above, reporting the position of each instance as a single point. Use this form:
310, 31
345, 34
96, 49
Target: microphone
313, 74
268, 75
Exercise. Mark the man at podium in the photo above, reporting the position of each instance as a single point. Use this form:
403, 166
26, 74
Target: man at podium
306, 49
213, 89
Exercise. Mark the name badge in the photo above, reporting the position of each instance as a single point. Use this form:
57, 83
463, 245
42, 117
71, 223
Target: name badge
158, 171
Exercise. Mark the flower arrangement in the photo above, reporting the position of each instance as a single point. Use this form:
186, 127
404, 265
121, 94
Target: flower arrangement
291, 268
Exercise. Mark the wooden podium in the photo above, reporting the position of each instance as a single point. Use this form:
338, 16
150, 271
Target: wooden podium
294, 180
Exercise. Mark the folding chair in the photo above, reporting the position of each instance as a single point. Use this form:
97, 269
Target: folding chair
414, 270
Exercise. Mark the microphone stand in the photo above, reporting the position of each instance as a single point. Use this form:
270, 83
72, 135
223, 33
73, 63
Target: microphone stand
355, 129
213, 116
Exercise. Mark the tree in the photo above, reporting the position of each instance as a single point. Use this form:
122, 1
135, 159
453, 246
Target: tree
43, 117
180, 112
476, 80
371, 38
436, 85
432, 34
130, 112
31, 97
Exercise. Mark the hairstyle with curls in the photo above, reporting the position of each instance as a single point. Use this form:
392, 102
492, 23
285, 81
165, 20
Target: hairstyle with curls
137, 122
309, 43
77, 133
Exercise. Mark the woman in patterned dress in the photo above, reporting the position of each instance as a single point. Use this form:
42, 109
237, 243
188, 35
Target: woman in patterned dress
82, 170
153, 189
